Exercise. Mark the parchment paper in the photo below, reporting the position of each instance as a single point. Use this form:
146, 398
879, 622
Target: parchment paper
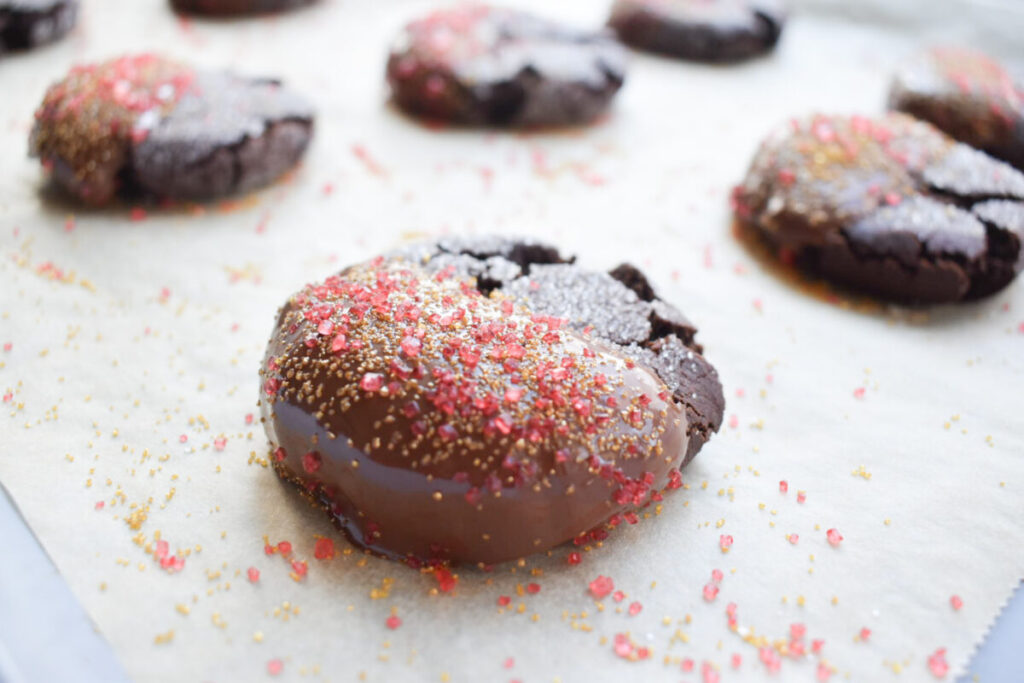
134, 347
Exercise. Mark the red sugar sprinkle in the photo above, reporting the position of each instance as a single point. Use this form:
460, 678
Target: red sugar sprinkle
253, 574
300, 567
533, 588
324, 549
8, 345
274, 667
634, 609
816, 645
859, 392
601, 587
8, 396
623, 648
446, 581
371, 381
138, 213
801, 496
717, 575
618, 596
710, 592
734, 421
937, 663
575, 558
736, 661
793, 538
504, 601
709, 673
248, 418
269, 549
865, 633
284, 547
100, 504
783, 486
219, 443
892, 199
834, 537
824, 673
509, 662
393, 622
725, 542
183, 438
956, 602
311, 462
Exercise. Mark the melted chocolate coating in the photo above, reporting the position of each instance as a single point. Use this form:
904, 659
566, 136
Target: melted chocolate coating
233, 7
25, 24
143, 124
482, 65
889, 206
967, 95
700, 30
437, 422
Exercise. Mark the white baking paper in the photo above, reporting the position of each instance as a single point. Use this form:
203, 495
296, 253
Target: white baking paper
135, 344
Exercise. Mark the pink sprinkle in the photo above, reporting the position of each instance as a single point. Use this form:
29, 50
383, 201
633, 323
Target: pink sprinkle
801, 497
9, 345
69, 224
769, 378
717, 575
393, 622
634, 609
1020, 328
533, 588
859, 392
824, 673
816, 645
371, 381
783, 486
734, 421
311, 462
618, 596
138, 213
834, 537
324, 549
300, 567
937, 663
892, 199
183, 438
865, 633
709, 673
956, 602
509, 663
601, 587
758, 305
219, 443
284, 547
725, 542
504, 601
248, 419
274, 667
797, 631
100, 504
623, 648
253, 574
736, 661
8, 396
793, 538
710, 592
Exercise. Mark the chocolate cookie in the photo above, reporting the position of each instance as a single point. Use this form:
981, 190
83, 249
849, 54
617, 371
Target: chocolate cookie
144, 124
967, 95
480, 400
701, 30
889, 206
25, 24
230, 7
483, 65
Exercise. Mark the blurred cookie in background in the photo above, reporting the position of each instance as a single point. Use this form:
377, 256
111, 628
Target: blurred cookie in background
25, 24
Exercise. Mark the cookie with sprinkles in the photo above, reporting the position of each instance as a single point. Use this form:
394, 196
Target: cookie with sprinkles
231, 7
25, 24
700, 30
482, 65
889, 206
966, 94
142, 124
480, 400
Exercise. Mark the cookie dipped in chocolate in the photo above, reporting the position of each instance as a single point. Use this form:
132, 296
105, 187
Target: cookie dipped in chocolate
440, 418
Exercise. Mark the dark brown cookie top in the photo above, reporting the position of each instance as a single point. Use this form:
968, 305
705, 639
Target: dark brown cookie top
143, 122
25, 24
705, 30
452, 366
892, 189
479, 64
966, 94
233, 7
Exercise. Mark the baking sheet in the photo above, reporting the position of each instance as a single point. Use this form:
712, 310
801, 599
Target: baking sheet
130, 377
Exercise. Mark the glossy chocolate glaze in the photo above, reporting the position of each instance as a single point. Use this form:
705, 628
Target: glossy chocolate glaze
482, 436
890, 206
483, 65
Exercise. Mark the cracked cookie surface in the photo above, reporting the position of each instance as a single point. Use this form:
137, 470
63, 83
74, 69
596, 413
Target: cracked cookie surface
888, 206
142, 124
483, 65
